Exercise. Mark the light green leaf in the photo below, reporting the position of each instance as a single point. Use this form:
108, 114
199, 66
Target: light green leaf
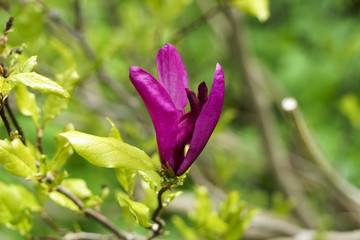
63, 201
114, 132
126, 178
151, 177
150, 198
16, 158
140, 211
349, 106
5, 87
186, 231
26, 66
53, 104
16, 203
257, 8
39, 83
63, 150
169, 196
26, 102
78, 187
231, 206
109, 152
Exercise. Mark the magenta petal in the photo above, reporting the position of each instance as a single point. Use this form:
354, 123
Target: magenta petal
173, 76
207, 120
162, 111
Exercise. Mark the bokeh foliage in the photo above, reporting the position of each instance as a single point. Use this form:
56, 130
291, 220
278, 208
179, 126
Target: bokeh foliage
309, 50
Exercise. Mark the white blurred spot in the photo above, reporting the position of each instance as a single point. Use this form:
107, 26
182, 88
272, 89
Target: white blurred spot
289, 104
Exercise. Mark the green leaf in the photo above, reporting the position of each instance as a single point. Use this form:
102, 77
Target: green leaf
63, 201
77, 186
39, 83
26, 102
53, 104
26, 66
150, 198
257, 8
16, 203
169, 196
350, 107
140, 211
5, 87
151, 177
126, 178
231, 206
114, 132
109, 152
63, 150
186, 231
16, 158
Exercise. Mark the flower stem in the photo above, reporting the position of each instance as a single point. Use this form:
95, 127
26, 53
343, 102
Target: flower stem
159, 223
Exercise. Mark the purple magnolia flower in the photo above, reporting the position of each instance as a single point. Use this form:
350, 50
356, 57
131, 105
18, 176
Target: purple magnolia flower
166, 101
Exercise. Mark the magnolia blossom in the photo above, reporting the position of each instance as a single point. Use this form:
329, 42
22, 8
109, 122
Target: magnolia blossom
181, 136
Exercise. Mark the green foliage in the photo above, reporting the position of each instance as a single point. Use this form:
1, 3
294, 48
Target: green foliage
54, 104
16, 206
78, 187
109, 152
257, 8
139, 210
39, 83
17, 158
63, 201
229, 223
27, 103
63, 150
350, 107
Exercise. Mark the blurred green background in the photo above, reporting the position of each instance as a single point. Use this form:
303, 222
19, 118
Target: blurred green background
309, 50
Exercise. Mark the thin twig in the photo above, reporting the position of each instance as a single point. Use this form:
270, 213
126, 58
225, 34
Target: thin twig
39, 135
159, 223
6, 121
14, 121
51, 223
78, 16
212, 12
92, 213
350, 194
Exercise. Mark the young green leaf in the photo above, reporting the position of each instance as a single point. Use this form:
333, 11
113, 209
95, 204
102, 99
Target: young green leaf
39, 83
140, 211
186, 231
53, 104
114, 132
26, 102
17, 158
63, 150
78, 187
26, 66
257, 8
109, 152
62, 200
16, 203
126, 178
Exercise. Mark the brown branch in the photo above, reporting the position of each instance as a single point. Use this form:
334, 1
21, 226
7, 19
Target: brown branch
104, 221
209, 14
51, 223
77, 236
6, 121
78, 16
159, 223
14, 121
272, 139
350, 195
